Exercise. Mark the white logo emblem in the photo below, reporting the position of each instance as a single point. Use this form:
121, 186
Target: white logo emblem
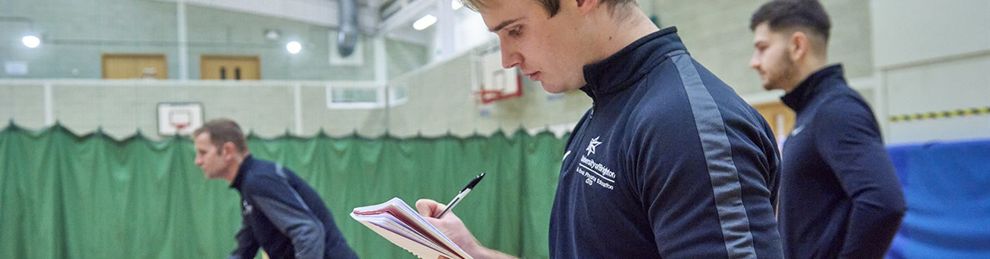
797, 130
247, 208
592, 145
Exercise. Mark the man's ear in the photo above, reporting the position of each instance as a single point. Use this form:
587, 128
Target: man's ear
798, 45
585, 6
228, 148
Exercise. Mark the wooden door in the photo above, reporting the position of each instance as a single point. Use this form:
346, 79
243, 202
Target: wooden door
779, 116
134, 66
230, 68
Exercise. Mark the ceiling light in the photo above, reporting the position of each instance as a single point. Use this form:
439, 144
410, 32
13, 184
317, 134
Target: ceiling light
424, 22
456, 4
271, 34
31, 41
293, 47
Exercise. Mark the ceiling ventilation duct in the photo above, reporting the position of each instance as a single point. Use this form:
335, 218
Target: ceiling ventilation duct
347, 35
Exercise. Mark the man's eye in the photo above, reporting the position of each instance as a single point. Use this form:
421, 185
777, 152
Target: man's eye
515, 32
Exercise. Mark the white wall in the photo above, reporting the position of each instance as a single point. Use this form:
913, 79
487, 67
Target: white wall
717, 33
933, 57
917, 31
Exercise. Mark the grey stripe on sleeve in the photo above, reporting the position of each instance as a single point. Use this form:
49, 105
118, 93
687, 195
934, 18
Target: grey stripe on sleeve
305, 231
718, 155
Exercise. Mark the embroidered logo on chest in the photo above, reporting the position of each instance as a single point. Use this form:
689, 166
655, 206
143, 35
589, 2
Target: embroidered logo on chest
595, 173
592, 145
246, 208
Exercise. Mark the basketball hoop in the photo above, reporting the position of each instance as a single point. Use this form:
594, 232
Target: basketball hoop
489, 96
179, 118
180, 126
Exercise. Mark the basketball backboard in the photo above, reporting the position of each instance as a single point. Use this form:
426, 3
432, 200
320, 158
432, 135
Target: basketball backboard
179, 118
497, 83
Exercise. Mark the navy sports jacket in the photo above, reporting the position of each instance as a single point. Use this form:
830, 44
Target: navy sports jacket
668, 162
839, 195
283, 215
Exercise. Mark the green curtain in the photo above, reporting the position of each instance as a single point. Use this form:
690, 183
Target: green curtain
69, 196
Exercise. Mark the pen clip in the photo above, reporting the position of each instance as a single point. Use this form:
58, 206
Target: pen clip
460, 195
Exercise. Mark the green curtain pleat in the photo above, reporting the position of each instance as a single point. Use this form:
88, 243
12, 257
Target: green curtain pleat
69, 196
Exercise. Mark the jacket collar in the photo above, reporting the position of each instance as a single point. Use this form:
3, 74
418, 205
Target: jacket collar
811, 86
630, 64
242, 172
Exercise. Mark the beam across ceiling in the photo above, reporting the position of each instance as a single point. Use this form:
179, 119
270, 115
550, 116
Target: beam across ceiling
317, 12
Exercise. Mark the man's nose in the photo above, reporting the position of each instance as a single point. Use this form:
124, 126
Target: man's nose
510, 58
754, 62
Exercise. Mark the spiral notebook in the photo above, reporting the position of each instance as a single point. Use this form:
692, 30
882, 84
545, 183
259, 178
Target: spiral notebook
403, 226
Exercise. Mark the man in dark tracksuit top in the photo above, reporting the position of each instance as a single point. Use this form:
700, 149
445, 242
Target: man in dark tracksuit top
668, 163
839, 195
284, 215
281, 213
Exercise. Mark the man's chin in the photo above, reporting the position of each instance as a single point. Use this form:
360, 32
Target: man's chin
770, 86
557, 88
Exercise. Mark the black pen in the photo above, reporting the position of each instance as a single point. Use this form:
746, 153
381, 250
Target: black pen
460, 196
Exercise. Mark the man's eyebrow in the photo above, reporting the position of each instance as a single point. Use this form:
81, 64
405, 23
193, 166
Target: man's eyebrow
503, 24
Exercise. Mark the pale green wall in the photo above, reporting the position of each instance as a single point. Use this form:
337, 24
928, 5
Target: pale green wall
909, 75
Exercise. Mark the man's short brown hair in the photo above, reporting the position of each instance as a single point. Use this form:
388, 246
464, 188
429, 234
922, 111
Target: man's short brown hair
222, 131
551, 6
793, 14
